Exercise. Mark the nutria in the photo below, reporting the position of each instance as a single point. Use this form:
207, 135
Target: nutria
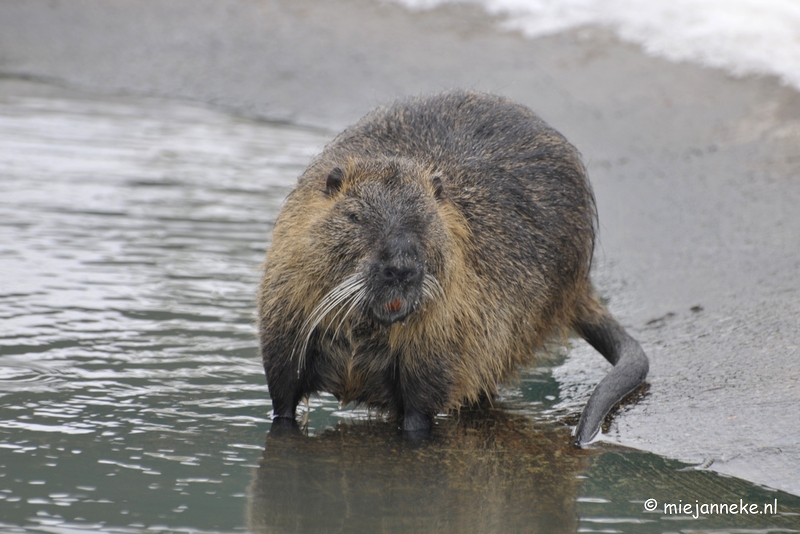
428, 253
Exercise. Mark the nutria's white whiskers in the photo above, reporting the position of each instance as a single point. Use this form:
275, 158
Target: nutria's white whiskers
351, 289
357, 300
431, 287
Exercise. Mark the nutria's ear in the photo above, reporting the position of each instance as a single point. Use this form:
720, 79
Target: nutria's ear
334, 181
438, 188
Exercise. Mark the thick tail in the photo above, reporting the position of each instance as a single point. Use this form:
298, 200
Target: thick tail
606, 335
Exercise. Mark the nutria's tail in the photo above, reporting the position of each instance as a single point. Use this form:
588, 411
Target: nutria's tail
606, 335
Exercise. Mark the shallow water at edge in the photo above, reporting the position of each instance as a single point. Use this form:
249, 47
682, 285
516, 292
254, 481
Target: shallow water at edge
131, 394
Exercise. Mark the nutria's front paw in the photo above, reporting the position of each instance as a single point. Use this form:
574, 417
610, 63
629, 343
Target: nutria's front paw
283, 425
416, 422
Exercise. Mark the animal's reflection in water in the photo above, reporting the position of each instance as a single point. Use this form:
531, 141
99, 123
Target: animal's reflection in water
484, 471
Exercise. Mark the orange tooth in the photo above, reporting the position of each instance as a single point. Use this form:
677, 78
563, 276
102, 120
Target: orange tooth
394, 305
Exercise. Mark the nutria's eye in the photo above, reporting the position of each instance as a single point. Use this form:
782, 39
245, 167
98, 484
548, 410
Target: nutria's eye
354, 217
334, 181
438, 188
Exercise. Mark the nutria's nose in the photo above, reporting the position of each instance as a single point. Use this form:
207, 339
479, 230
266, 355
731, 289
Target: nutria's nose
397, 273
399, 263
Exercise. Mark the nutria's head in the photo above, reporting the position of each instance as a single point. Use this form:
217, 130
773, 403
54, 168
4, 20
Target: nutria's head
382, 237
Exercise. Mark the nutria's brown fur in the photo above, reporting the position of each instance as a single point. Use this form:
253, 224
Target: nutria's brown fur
426, 254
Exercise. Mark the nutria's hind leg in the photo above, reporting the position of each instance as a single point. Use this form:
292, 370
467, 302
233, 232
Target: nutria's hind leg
608, 337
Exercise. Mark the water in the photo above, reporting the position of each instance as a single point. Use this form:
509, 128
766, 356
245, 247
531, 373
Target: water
741, 36
131, 394
130, 241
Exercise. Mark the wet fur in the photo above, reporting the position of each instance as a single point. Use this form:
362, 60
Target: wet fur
498, 211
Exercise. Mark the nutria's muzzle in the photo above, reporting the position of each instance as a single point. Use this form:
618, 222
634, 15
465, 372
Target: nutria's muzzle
396, 280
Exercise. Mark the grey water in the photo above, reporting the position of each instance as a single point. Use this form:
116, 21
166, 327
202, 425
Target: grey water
132, 398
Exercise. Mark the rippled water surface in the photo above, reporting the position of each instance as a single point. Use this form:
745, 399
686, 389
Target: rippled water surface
130, 240
131, 394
